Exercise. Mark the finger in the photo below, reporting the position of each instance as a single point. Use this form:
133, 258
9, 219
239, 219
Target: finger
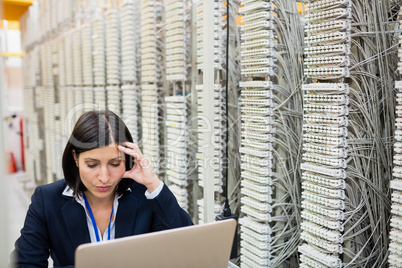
126, 175
133, 147
131, 152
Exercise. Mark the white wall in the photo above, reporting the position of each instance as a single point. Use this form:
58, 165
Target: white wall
12, 102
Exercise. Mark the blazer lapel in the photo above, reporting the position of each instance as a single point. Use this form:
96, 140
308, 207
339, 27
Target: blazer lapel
126, 213
76, 222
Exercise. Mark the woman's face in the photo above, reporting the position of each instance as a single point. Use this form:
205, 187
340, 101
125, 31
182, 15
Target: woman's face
101, 169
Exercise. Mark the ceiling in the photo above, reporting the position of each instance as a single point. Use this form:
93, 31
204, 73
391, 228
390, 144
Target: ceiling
14, 9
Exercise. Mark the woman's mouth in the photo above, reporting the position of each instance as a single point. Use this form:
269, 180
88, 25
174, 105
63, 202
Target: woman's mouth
103, 188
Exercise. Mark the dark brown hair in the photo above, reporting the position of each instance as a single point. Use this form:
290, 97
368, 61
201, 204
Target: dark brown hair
94, 129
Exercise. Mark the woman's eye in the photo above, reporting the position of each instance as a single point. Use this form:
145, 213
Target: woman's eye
92, 166
115, 164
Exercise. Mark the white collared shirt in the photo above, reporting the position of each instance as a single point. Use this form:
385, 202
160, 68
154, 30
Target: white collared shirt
103, 237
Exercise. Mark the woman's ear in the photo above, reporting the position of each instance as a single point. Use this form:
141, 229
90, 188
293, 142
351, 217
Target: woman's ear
75, 157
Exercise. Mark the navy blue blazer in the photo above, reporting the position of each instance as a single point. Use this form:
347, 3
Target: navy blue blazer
57, 224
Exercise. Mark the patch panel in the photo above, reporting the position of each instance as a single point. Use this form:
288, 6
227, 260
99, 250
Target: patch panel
326, 119
327, 38
396, 222
335, 13
336, 87
263, 15
395, 260
256, 226
395, 248
327, 140
249, 175
256, 152
320, 220
395, 234
324, 180
259, 196
321, 98
306, 262
258, 71
256, 94
250, 262
336, 163
258, 188
397, 172
259, 44
262, 171
249, 234
256, 84
262, 52
328, 202
255, 6
398, 160
335, 61
259, 145
253, 62
318, 149
313, 253
330, 235
333, 193
258, 137
327, 72
397, 197
263, 207
326, 4
257, 111
398, 84
249, 257
337, 110
332, 248
257, 127
332, 214
266, 34
398, 122
246, 159
334, 25
325, 130
328, 49
262, 250
399, 98
261, 216
256, 102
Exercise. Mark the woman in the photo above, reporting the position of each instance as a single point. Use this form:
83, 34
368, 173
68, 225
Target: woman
99, 199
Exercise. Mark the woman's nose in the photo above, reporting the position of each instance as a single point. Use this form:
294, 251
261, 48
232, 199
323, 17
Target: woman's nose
104, 175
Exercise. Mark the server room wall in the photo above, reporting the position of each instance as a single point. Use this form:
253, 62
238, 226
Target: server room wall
312, 109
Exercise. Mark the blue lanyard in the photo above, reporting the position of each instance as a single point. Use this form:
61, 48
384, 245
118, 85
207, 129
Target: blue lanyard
93, 220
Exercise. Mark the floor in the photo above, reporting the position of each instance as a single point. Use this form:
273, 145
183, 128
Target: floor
19, 190
18, 200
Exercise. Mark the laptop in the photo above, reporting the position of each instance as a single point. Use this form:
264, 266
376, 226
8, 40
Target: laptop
205, 245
